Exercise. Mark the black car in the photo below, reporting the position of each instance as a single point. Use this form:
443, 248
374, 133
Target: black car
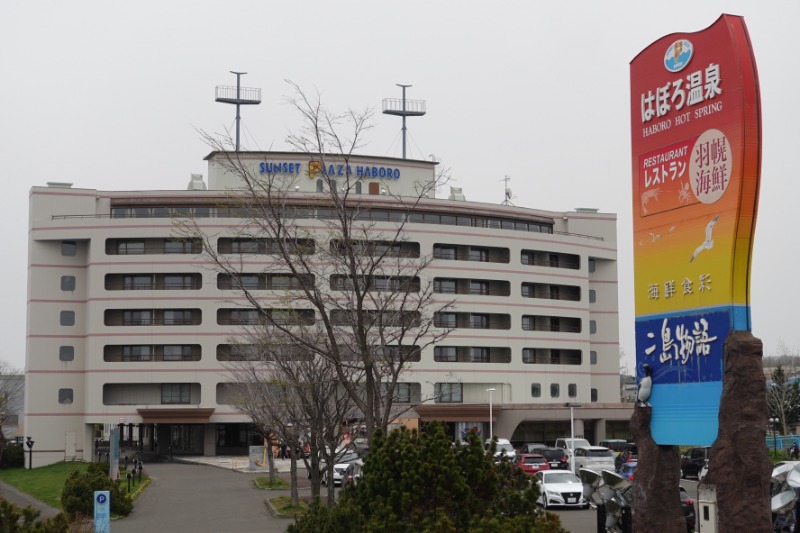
693, 460
557, 457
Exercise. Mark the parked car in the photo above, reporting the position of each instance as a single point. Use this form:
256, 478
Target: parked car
530, 447
503, 448
595, 458
557, 457
343, 456
560, 488
531, 462
687, 504
626, 470
341, 472
615, 445
569, 444
693, 460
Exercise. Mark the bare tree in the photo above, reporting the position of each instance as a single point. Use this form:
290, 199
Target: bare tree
12, 385
783, 398
350, 293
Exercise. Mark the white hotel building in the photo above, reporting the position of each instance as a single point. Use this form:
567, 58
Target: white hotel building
128, 324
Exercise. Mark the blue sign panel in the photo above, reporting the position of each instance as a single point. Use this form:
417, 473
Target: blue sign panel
102, 511
685, 357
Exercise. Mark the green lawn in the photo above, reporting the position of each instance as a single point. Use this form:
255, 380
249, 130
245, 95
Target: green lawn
43, 483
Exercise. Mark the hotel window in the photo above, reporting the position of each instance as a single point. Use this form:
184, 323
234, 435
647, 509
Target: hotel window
175, 393
594, 395
177, 281
320, 186
67, 318
592, 296
593, 357
479, 254
572, 390
64, 395
592, 327
441, 251
448, 392
137, 282
479, 354
444, 286
536, 390
172, 246
244, 317
555, 390
141, 352
478, 321
479, 287
66, 353
592, 264
67, 283
139, 317
177, 352
130, 247
445, 354
402, 392
69, 248
244, 246
444, 320
249, 281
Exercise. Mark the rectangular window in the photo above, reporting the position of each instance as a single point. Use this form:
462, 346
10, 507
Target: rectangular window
526, 258
441, 251
174, 246
555, 390
175, 393
67, 283
572, 390
479, 254
445, 354
594, 395
69, 248
67, 318
66, 353
536, 390
444, 286
64, 395
137, 282
592, 326
478, 321
177, 352
528, 356
479, 287
448, 392
592, 296
402, 392
243, 317
177, 281
138, 317
244, 246
130, 247
137, 353
249, 281
479, 354
593, 357
592, 264
528, 323
445, 320
177, 317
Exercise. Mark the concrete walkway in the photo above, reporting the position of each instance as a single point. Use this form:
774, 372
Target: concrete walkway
196, 495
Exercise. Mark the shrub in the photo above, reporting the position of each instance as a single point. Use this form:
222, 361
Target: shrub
16, 520
13, 456
77, 498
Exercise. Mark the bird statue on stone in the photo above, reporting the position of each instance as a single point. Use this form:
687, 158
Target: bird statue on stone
645, 386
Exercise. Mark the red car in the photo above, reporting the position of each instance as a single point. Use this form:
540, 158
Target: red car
531, 462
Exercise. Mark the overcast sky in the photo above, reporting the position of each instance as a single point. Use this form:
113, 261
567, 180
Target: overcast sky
110, 95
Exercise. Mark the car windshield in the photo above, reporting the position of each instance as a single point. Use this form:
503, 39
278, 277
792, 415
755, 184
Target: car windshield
577, 443
504, 448
562, 477
599, 453
534, 460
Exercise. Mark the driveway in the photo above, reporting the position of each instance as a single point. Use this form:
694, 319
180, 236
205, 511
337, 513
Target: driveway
194, 498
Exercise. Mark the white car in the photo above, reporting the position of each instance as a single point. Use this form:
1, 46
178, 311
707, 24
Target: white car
341, 472
561, 488
595, 458
502, 449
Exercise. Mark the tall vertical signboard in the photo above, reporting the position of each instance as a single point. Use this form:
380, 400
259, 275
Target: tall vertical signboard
696, 139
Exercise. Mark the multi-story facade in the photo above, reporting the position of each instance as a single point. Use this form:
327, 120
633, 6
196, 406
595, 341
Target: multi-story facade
128, 324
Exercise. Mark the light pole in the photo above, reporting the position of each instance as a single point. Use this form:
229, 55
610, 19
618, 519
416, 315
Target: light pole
571, 447
29, 442
491, 427
774, 420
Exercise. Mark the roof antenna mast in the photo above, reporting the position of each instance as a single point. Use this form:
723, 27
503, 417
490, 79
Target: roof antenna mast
508, 195
239, 96
403, 108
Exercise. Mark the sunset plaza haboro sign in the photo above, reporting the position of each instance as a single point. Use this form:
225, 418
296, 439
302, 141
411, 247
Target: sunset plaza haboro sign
696, 139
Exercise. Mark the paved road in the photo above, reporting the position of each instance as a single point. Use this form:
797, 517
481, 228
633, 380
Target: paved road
191, 498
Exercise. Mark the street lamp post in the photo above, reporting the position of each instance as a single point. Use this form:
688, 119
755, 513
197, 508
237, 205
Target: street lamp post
774, 421
571, 446
29, 442
491, 427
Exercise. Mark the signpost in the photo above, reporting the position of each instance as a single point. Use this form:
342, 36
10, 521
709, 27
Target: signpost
102, 511
696, 148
